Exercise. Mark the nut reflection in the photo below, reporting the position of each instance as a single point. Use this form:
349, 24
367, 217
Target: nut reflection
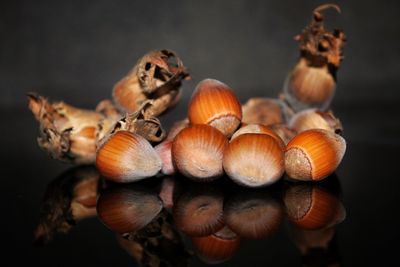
125, 209
253, 214
198, 211
314, 206
144, 227
314, 210
218, 247
150, 217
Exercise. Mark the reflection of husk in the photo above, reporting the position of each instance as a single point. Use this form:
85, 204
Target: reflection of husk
317, 247
155, 77
308, 239
158, 244
68, 199
66, 133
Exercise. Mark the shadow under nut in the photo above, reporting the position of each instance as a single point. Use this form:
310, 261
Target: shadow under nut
214, 103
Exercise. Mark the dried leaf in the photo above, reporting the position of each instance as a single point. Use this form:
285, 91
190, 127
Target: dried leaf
157, 76
66, 133
319, 45
139, 122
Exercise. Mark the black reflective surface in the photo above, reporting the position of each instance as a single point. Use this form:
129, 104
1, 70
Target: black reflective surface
171, 221
365, 187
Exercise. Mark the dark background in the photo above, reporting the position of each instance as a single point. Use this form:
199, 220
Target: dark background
76, 50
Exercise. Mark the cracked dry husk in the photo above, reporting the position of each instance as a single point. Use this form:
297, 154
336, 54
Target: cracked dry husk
157, 76
320, 46
138, 122
158, 244
312, 82
111, 116
67, 133
64, 204
72, 135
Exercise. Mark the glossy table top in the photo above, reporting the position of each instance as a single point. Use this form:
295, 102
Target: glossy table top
360, 229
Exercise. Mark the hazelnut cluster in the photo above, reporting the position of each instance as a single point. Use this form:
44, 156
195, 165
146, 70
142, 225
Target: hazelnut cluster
254, 144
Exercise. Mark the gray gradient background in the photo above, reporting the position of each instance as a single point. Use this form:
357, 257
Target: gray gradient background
76, 51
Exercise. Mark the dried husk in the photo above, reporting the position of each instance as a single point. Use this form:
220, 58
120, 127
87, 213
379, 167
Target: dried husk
67, 133
139, 122
157, 76
312, 82
72, 135
111, 116
319, 45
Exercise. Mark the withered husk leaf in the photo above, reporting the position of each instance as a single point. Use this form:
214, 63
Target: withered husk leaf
320, 46
68, 199
139, 122
67, 133
157, 76
110, 118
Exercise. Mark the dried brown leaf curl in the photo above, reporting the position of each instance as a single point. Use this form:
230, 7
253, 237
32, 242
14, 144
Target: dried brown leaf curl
157, 76
67, 133
319, 45
138, 122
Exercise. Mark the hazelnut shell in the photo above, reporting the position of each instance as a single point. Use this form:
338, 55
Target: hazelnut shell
214, 103
127, 157
197, 152
254, 160
314, 155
